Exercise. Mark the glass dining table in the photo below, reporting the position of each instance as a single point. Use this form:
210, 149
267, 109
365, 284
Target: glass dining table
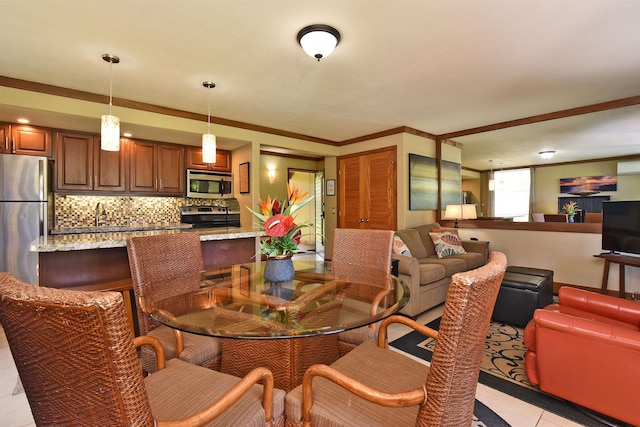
286, 326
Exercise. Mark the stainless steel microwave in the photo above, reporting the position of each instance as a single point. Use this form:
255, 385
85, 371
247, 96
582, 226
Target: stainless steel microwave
208, 185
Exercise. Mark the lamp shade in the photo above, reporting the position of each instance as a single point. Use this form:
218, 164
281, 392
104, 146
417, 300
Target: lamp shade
546, 154
110, 133
318, 41
466, 211
208, 148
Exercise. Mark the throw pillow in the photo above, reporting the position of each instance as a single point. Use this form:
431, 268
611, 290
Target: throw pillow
443, 229
447, 243
399, 248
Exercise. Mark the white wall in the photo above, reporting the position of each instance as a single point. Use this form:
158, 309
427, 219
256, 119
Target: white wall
569, 255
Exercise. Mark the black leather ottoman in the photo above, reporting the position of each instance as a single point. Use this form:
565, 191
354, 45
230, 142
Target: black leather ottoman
523, 290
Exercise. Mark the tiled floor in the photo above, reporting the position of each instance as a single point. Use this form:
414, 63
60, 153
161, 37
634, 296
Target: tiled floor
15, 412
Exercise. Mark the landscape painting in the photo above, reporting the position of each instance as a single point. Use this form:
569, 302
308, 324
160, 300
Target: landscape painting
423, 183
586, 185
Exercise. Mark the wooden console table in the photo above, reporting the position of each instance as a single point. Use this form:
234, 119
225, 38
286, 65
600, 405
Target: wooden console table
623, 261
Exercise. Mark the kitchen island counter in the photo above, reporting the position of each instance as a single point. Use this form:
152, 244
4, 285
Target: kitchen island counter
118, 239
99, 261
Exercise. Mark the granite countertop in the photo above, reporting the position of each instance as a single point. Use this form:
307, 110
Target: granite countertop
115, 239
119, 228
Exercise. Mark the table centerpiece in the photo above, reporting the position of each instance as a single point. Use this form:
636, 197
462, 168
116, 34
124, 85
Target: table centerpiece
283, 233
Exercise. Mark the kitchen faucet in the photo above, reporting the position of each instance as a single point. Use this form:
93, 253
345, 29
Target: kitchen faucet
100, 212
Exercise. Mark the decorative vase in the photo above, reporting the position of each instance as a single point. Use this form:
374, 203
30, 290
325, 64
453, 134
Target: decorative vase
570, 219
278, 270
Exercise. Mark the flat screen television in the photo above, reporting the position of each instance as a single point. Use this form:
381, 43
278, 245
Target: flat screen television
621, 226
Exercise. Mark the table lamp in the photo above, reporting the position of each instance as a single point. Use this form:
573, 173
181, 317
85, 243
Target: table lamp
459, 212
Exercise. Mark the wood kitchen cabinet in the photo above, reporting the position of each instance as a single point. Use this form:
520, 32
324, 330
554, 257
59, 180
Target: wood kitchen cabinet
367, 190
156, 168
25, 139
82, 166
222, 164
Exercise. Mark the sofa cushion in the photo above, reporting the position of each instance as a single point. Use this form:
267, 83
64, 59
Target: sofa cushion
430, 273
452, 265
399, 248
447, 243
424, 231
411, 238
472, 259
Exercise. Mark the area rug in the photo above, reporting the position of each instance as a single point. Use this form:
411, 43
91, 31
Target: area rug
503, 370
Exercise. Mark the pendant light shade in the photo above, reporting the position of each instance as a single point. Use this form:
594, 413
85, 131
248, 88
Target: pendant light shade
110, 128
208, 139
318, 40
110, 133
208, 148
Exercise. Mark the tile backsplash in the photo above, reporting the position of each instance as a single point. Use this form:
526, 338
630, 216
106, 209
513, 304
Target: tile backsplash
80, 211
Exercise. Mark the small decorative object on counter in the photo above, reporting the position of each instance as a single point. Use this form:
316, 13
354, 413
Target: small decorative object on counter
570, 209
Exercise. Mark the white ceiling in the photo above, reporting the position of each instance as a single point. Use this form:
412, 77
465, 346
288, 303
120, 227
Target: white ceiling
432, 65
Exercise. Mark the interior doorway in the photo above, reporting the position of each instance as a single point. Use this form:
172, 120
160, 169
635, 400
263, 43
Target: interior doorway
313, 238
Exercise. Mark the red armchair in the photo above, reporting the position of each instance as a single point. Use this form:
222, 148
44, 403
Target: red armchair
586, 349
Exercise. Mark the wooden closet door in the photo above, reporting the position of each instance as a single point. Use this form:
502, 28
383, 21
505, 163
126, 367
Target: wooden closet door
367, 190
351, 193
380, 197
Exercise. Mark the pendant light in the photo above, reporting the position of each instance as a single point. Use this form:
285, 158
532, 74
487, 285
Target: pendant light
208, 139
110, 130
492, 183
318, 40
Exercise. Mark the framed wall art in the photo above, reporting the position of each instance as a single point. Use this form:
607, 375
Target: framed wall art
331, 187
587, 185
245, 185
423, 183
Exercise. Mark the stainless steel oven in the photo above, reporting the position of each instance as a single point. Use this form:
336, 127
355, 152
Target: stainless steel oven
208, 185
221, 213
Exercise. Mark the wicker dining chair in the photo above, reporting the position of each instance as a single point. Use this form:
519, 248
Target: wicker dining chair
162, 266
375, 386
357, 255
77, 360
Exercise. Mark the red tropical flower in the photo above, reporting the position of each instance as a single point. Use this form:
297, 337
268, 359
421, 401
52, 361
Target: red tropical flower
278, 225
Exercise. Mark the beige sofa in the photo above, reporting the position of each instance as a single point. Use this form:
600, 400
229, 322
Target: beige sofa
428, 276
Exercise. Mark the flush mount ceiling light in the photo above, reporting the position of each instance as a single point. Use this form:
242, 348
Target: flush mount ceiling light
208, 139
546, 154
318, 40
110, 129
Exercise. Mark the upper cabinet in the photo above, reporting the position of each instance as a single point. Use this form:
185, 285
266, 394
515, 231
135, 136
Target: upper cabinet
25, 139
156, 168
222, 164
82, 166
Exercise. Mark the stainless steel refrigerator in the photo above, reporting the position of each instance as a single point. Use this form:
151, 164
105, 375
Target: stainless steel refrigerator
23, 213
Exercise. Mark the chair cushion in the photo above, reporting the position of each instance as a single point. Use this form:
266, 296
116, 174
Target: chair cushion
412, 240
399, 248
198, 349
358, 335
381, 369
447, 243
182, 389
